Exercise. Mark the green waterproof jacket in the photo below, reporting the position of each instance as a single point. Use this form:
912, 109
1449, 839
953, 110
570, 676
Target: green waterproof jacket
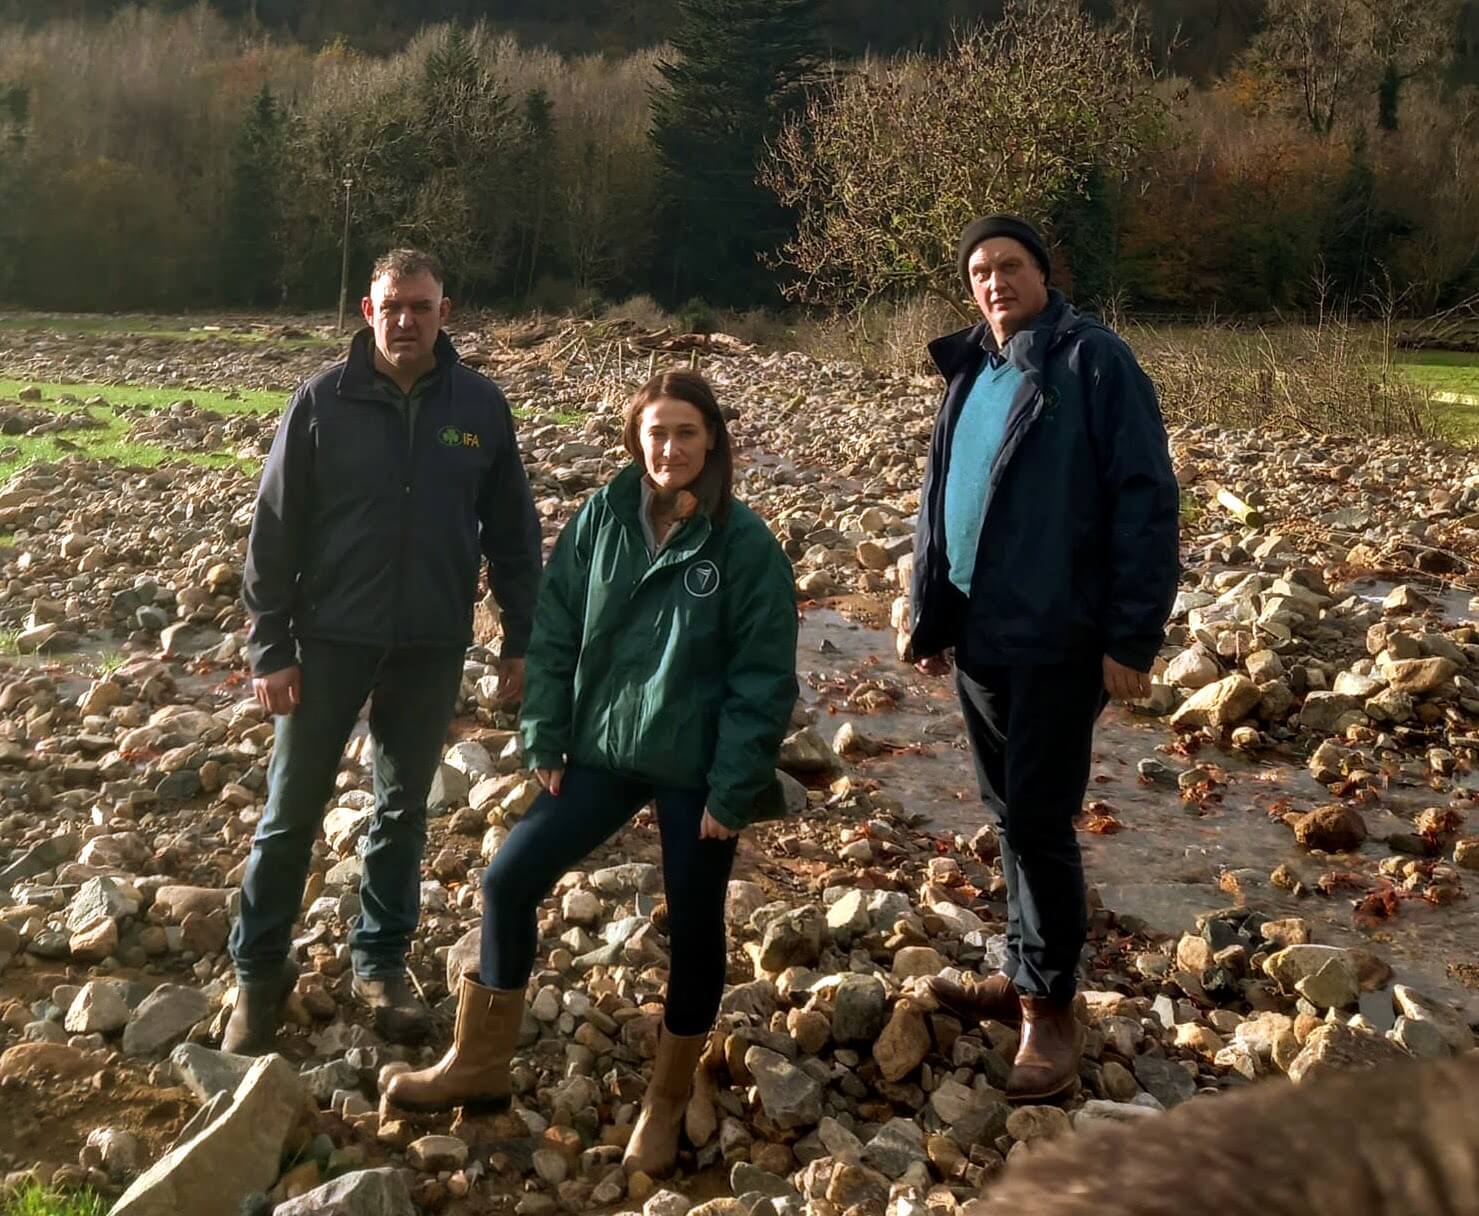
679, 670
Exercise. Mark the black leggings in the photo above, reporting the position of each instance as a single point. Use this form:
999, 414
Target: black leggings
558, 832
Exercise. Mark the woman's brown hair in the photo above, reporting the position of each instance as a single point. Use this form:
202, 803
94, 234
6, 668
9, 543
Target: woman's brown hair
714, 485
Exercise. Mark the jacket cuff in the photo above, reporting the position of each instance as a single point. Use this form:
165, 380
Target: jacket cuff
734, 822
1136, 654
534, 760
277, 657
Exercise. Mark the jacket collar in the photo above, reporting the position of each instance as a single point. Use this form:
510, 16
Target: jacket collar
624, 498
1028, 350
357, 377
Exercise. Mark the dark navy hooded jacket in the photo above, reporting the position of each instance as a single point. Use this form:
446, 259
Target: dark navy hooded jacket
1078, 552
371, 531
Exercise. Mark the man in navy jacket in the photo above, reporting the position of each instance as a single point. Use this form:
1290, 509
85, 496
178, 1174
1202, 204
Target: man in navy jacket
1046, 562
392, 477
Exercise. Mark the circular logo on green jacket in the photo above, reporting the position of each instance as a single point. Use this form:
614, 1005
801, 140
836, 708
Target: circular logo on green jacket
701, 579
451, 436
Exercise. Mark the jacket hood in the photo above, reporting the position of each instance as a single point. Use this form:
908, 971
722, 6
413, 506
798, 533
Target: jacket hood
955, 351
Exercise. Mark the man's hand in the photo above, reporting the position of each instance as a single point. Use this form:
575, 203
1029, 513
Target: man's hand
935, 665
1125, 683
510, 681
712, 829
551, 779
280, 692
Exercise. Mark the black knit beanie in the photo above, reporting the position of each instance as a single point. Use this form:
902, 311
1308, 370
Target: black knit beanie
989, 226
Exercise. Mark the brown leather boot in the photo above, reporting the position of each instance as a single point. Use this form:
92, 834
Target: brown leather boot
252, 1027
474, 1073
976, 999
1046, 1067
653, 1148
399, 1015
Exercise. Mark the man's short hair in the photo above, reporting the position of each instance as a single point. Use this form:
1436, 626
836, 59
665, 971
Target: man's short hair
407, 263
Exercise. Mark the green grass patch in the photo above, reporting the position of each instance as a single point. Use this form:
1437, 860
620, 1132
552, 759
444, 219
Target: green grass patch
1454, 373
177, 328
109, 661
1442, 371
247, 401
1460, 420
110, 442
36, 1200
8, 640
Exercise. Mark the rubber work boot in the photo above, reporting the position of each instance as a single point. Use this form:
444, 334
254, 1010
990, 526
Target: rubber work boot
400, 1016
474, 1073
1046, 1067
252, 1027
653, 1148
976, 999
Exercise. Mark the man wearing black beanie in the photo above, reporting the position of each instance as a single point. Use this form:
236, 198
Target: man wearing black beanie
1045, 564
990, 226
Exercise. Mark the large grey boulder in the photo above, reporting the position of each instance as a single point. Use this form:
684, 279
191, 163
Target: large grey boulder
235, 1154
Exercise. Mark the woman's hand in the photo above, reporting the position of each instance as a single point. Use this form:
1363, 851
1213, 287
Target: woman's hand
712, 829
550, 778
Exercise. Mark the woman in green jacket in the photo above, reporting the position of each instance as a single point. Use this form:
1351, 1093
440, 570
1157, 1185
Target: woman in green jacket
662, 669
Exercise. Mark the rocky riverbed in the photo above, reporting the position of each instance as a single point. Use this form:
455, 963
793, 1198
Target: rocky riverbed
1283, 839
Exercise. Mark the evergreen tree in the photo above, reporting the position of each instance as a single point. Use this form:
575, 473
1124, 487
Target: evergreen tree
1085, 225
253, 206
741, 69
460, 191
534, 166
15, 113
1360, 235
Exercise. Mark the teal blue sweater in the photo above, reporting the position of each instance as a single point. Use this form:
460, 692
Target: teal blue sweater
976, 441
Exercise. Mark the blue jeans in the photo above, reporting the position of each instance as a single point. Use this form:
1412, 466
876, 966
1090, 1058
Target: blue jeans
558, 832
412, 694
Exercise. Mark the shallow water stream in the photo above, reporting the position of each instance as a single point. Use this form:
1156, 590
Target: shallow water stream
1172, 860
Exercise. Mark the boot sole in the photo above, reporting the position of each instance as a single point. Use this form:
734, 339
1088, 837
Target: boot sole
1047, 1097
469, 1106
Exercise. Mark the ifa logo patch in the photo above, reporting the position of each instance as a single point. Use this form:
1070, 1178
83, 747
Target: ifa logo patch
701, 579
453, 438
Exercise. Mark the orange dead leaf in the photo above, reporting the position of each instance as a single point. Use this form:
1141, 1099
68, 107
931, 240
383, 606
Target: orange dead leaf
1381, 905
1099, 818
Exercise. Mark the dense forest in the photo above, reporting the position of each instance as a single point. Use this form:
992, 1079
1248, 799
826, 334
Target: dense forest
1195, 38
1240, 155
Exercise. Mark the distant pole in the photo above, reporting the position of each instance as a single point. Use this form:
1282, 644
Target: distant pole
344, 265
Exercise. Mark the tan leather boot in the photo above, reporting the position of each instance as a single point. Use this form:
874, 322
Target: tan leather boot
653, 1148
1046, 1067
474, 1073
975, 999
